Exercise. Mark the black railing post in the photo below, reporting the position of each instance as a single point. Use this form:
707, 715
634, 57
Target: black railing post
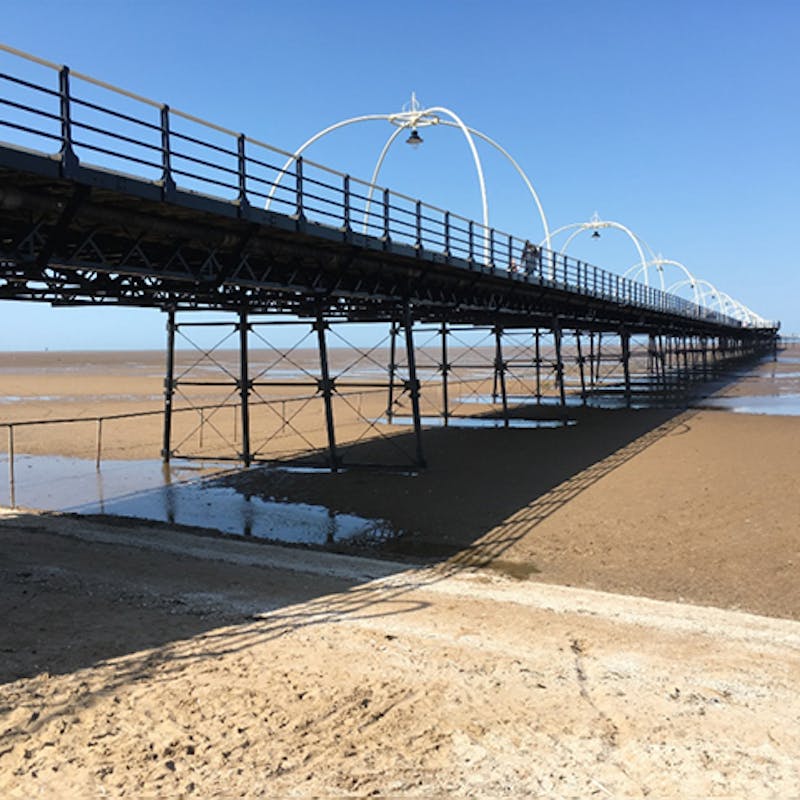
346, 209
447, 233
511, 254
386, 219
418, 224
69, 160
491, 249
242, 172
471, 241
167, 182
298, 171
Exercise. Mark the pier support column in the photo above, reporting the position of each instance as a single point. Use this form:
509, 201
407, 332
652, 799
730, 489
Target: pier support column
445, 368
392, 369
413, 384
244, 386
537, 336
500, 371
169, 387
625, 343
580, 366
560, 367
704, 354
326, 388
598, 358
662, 357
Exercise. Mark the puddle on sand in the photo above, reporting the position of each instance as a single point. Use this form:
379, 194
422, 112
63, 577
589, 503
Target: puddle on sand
178, 494
779, 405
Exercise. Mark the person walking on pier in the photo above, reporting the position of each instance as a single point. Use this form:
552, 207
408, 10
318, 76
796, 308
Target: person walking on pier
531, 258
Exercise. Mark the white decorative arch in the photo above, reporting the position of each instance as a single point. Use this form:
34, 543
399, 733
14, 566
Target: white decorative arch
659, 262
412, 118
596, 224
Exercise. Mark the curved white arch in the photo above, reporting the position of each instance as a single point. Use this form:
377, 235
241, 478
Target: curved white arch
659, 263
521, 173
315, 138
374, 179
596, 224
692, 284
459, 123
475, 158
480, 135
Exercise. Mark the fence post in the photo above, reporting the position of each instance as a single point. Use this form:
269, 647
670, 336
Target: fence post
418, 224
470, 241
99, 442
11, 492
447, 233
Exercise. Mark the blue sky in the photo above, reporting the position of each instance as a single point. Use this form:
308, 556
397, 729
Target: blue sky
679, 120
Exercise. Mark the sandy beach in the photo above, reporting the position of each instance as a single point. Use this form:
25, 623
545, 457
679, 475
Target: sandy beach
607, 609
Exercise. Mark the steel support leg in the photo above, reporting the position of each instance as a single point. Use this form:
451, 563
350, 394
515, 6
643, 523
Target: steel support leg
169, 387
580, 366
445, 367
537, 336
500, 370
704, 345
625, 342
392, 370
560, 367
326, 387
413, 383
244, 386
598, 359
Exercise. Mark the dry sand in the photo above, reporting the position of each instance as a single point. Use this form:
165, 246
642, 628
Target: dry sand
140, 661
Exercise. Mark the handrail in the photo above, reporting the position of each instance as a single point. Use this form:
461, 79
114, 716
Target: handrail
320, 194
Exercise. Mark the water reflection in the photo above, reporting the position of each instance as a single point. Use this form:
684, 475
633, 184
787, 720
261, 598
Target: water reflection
181, 495
773, 404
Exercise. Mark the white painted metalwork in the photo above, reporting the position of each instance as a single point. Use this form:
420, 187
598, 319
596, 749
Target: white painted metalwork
596, 224
412, 117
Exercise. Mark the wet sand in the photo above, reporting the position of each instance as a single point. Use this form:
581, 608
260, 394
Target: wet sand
475, 658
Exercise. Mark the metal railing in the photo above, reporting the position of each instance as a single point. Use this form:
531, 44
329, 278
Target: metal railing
117, 130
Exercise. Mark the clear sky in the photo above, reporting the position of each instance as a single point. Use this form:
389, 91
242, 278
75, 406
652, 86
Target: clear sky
680, 120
